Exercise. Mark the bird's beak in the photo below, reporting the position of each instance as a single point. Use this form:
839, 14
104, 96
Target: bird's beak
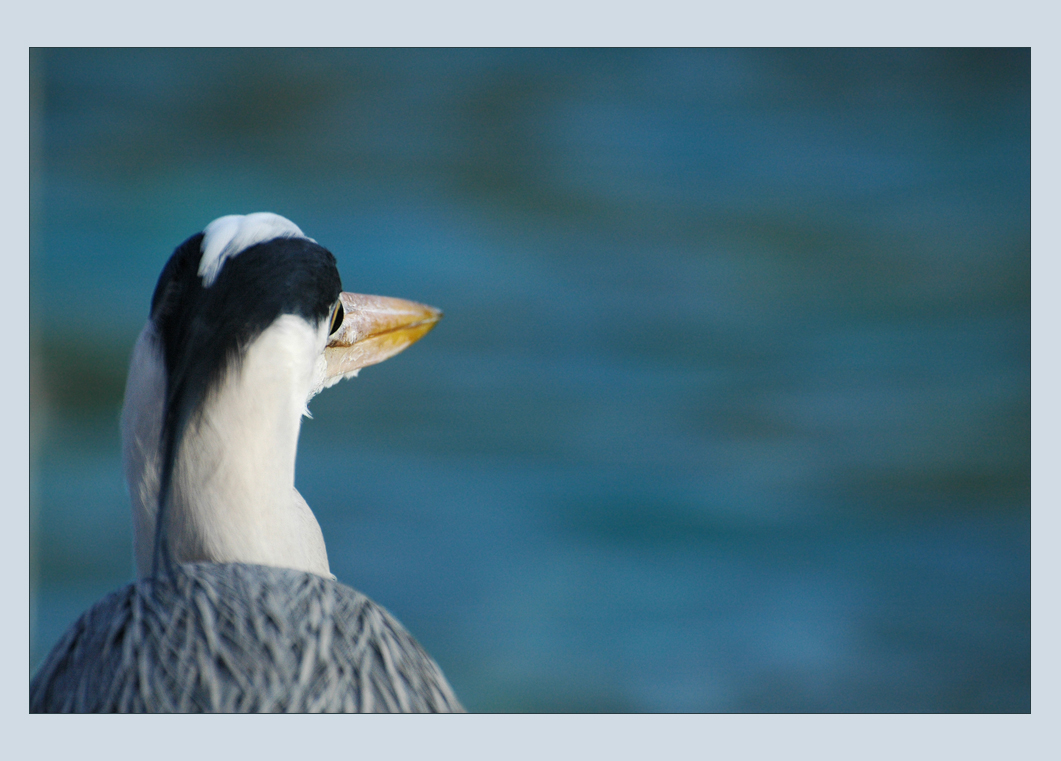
375, 328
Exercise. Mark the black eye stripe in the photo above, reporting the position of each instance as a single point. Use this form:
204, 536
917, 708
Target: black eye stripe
337, 318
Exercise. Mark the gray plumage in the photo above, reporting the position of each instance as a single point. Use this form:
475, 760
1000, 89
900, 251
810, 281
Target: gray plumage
239, 638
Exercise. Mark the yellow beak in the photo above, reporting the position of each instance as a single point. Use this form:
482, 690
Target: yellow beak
375, 328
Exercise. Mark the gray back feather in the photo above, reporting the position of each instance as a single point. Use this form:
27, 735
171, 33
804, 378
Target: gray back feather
239, 638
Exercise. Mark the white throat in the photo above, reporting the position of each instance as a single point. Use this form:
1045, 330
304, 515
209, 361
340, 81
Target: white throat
233, 496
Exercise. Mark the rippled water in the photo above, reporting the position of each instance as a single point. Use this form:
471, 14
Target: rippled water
730, 407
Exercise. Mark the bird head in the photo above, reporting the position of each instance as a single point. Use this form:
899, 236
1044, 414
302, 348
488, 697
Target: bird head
248, 322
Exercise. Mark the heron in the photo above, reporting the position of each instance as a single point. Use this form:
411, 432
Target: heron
235, 607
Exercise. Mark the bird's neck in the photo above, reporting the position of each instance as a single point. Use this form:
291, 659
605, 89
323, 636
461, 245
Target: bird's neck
233, 496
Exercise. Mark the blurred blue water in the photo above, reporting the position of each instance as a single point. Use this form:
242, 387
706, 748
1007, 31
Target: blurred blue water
730, 408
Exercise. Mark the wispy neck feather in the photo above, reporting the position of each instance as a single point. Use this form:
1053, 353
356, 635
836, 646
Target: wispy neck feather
232, 489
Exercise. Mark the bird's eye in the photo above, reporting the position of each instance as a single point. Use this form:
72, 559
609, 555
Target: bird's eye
337, 318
